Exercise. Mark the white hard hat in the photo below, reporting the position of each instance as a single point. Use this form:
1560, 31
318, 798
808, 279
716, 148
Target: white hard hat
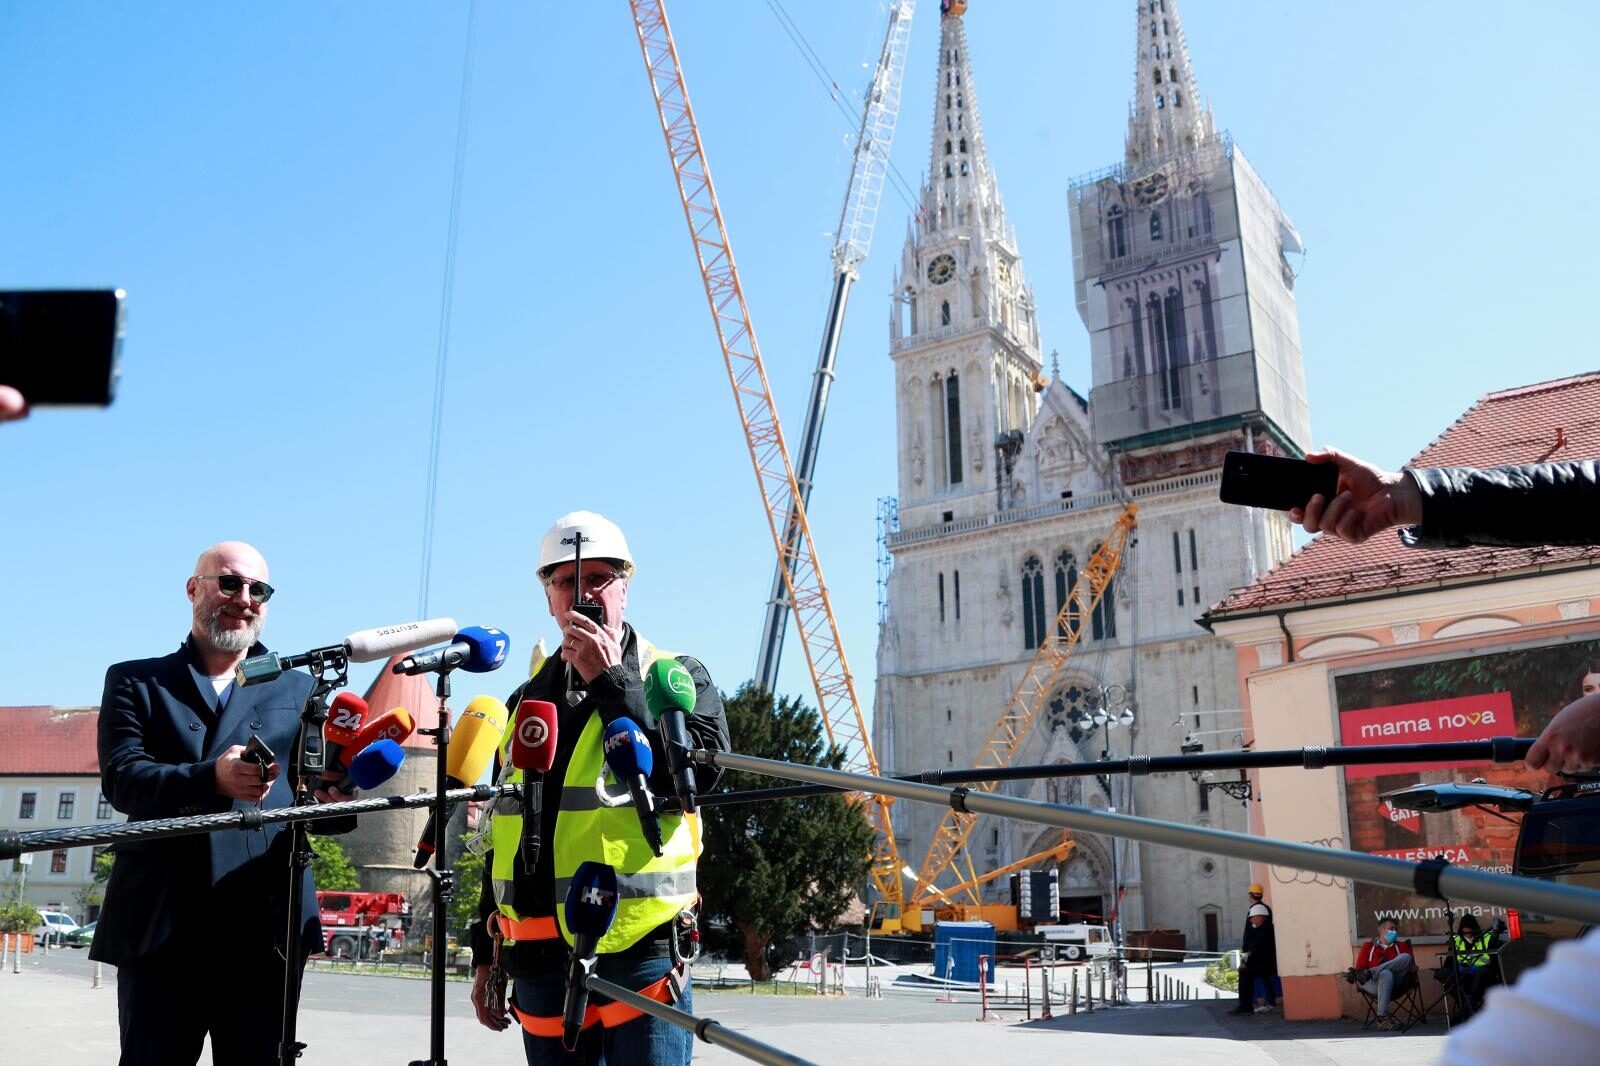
1259, 911
601, 540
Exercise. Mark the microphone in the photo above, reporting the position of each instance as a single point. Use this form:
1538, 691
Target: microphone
628, 754
590, 908
533, 749
476, 649
669, 693
473, 741
375, 764
345, 716
367, 646
394, 726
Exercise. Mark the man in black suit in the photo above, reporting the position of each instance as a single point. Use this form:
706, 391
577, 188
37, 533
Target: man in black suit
195, 925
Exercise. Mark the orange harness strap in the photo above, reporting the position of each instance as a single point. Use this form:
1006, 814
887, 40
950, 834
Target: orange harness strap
611, 1015
528, 929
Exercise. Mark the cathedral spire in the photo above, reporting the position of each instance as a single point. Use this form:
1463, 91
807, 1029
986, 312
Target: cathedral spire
960, 192
1168, 114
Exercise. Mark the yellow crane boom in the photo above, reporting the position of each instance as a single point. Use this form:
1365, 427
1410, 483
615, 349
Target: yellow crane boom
837, 704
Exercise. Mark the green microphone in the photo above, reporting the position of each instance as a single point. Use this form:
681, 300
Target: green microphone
668, 693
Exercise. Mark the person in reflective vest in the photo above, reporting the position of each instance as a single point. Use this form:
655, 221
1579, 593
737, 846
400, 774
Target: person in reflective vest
1472, 955
595, 678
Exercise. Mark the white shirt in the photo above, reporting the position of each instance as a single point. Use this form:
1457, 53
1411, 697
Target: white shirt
1551, 1015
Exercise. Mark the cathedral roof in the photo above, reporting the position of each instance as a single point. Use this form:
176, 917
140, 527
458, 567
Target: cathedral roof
1547, 422
415, 693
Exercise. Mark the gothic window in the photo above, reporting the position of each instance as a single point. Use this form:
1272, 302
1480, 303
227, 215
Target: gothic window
1177, 339
965, 169
963, 146
956, 575
1174, 75
948, 125
949, 174
1158, 75
1103, 621
958, 122
941, 599
1194, 553
1032, 602
947, 100
946, 147
1177, 98
1119, 233
1066, 578
1152, 29
959, 102
944, 313
1177, 553
952, 408
1163, 26
958, 78
1155, 225
947, 77
1161, 101
936, 421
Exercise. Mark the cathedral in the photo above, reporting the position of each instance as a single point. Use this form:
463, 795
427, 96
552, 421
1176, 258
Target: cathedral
1009, 480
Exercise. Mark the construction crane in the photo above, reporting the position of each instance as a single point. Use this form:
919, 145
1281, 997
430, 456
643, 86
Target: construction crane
1022, 709
837, 704
869, 170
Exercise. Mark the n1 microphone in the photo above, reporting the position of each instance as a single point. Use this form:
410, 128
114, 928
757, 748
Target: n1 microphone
476, 649
473, 741
628, 754
590, 908
533, 750
375, 764
395, 725
669, 693
345, 717
369, 645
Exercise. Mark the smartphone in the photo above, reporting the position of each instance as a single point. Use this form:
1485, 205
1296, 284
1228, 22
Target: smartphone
1275, 483
63, 346
256, 751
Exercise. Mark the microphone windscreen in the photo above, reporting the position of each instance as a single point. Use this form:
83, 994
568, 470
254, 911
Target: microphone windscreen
345, 717
394, 725
628, 749
592, 900
474, 738
667, 685
376, 763
533, 746
371, 645
489, 647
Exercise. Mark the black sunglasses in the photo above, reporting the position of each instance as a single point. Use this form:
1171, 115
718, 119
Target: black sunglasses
230, 584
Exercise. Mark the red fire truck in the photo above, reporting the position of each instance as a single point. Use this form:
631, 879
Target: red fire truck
360, 925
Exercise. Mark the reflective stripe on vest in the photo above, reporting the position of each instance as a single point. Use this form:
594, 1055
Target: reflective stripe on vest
1472, 953
609, 1015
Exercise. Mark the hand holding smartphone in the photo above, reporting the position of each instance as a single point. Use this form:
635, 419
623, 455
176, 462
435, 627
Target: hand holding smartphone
1274, 482
62, 347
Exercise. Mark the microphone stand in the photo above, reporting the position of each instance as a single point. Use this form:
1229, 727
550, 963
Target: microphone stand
440, 875
305, 767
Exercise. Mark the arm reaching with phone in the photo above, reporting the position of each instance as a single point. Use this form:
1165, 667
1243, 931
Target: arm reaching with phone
12, 404
1455, 507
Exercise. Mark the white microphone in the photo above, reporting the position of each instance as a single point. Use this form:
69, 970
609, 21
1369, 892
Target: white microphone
368, 645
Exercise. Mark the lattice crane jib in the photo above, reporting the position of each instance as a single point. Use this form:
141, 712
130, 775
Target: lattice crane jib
1022, 709
837, 704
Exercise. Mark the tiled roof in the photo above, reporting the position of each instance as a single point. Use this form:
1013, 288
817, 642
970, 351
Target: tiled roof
413, 692
1548, 422
48, 740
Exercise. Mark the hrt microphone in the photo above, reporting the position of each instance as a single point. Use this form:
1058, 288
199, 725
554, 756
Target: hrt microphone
395, 725
473, 741
590, 908
533, 749
669, 693
476, 649
628, 754
345, 717
375, 764
367, 646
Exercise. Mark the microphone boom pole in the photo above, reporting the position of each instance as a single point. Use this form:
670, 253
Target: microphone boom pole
1434, 878
708, 1030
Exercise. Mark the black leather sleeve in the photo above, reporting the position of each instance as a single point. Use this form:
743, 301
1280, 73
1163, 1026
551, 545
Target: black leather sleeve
1510, 506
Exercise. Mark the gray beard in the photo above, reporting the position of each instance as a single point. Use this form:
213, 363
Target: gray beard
232, 640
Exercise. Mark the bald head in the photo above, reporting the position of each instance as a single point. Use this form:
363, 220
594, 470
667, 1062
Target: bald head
224, 622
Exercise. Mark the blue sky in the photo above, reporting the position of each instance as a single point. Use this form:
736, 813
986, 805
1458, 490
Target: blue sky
271, 185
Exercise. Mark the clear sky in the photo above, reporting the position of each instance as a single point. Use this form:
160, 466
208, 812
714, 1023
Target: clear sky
271, 185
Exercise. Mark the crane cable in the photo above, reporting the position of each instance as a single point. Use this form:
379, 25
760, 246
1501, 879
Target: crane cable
446, 303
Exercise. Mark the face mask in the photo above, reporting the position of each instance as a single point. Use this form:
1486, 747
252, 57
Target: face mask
1390, 936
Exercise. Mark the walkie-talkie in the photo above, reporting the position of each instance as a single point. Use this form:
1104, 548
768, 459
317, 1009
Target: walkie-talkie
594, 612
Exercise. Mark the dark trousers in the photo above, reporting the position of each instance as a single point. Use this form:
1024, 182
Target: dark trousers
1247, 985
170, 999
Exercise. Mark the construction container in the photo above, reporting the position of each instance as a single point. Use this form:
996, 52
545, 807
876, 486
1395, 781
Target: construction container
957, 946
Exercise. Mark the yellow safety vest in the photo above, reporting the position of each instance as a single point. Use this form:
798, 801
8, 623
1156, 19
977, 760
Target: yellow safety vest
1471, 953
597, 822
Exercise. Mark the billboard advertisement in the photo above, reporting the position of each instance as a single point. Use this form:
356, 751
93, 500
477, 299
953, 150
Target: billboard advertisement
1496, 694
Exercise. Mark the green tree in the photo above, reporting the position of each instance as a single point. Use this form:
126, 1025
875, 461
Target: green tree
94, 893
773, 869
331, 867
464, 900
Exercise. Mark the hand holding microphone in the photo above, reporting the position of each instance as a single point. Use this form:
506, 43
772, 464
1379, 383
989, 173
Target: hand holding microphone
669, 693
628, 754
533, 749
476, 737
591, 906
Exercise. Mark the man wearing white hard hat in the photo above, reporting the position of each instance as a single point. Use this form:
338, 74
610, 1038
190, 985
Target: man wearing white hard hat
596, 678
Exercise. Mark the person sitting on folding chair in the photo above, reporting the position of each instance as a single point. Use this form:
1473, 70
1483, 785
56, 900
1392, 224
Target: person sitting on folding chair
1471, 958
1384, 967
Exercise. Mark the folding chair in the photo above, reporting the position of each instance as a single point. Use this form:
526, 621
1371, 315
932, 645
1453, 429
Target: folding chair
1406, 1005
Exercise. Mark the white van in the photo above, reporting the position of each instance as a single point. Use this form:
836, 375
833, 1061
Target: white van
54, 925
1075, 941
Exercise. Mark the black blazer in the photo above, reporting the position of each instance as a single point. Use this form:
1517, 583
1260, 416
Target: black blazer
160, 734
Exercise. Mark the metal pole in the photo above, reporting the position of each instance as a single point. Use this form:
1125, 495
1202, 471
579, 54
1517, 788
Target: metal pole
1072, 998
707, 1030
1429, 879
1149, 970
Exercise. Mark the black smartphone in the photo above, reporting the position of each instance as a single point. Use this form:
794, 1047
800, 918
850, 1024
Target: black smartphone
62, 346
256, 751
1274, 482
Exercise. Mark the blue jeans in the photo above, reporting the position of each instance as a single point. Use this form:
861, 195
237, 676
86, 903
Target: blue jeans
645, 1041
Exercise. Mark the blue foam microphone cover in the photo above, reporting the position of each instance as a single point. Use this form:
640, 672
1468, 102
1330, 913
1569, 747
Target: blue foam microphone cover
489, 648
592, 900
627, 749
376, 763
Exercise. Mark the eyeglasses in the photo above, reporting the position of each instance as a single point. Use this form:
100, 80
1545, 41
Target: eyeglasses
230, 584
592, 583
